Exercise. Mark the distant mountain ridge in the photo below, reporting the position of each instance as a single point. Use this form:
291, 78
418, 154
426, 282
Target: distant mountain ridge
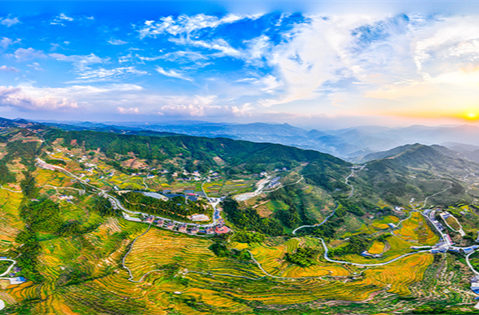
352, 144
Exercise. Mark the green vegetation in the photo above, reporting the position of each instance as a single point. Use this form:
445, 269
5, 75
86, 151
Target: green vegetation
104, 208
56, 162
355, 245
248, 237
221, 250
250, 220
5, 175
28, 185
303, 256
72, 249
176, 207
42, 216
4, 266
239, 155
27, 255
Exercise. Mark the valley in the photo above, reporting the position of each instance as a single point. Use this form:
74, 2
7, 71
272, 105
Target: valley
284, 232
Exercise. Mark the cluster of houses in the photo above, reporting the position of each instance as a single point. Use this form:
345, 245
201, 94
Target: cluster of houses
196, 176
66, 197
44, 165
274, 183
446, 244
183, 227
431, 215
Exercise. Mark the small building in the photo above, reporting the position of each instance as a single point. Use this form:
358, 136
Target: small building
209, 230
475, 284
199, 217
448, 240
170, 225
194, 230
17, 280
127, 217
221, 229
467, 250
443, 249
182, 228
17, 269
160, 222
150, 219
392, 225
65, 197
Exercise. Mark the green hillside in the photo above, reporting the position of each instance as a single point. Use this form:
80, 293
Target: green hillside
82, 253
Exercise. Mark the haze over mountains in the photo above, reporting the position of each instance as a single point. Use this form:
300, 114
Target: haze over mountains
352, 144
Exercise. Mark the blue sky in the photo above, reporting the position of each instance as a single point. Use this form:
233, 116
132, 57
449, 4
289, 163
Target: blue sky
300, 62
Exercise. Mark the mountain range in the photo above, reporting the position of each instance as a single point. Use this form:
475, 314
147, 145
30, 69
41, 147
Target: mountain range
351, 144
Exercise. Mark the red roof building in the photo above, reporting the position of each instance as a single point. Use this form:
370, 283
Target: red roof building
221, 229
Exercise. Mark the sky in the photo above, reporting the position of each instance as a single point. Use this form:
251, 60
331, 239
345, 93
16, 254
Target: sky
307, 63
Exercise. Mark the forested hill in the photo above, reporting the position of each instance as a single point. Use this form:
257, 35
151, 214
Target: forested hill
203, 152
426, 157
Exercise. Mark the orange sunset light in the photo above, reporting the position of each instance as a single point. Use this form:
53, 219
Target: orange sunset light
472, 115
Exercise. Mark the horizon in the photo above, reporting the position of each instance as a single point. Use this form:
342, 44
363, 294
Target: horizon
387, 63
185, 122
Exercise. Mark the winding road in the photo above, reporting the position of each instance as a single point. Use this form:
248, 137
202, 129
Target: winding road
2, 303
128, 253
337, 205
364, 265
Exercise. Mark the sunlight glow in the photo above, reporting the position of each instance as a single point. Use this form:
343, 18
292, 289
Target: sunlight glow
472, 115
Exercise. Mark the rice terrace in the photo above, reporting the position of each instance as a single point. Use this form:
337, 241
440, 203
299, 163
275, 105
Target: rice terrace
239, 157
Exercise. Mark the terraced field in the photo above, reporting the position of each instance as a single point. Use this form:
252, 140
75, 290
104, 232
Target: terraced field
377, 247
158, 248
416, 229
383, 223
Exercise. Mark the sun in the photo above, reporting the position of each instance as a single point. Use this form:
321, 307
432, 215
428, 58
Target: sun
472, 115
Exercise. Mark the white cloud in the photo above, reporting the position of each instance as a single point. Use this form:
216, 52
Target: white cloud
35, 66
198, 106
75, 97
258, 48
185, 24
21, 98
58, 20
216, 44
312, 57
130, 110
80, 62
117, 42
85, 73
102, 74
22, 54
9, 21
172, 73
180, 57
270, 83
5, 42
8, 69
